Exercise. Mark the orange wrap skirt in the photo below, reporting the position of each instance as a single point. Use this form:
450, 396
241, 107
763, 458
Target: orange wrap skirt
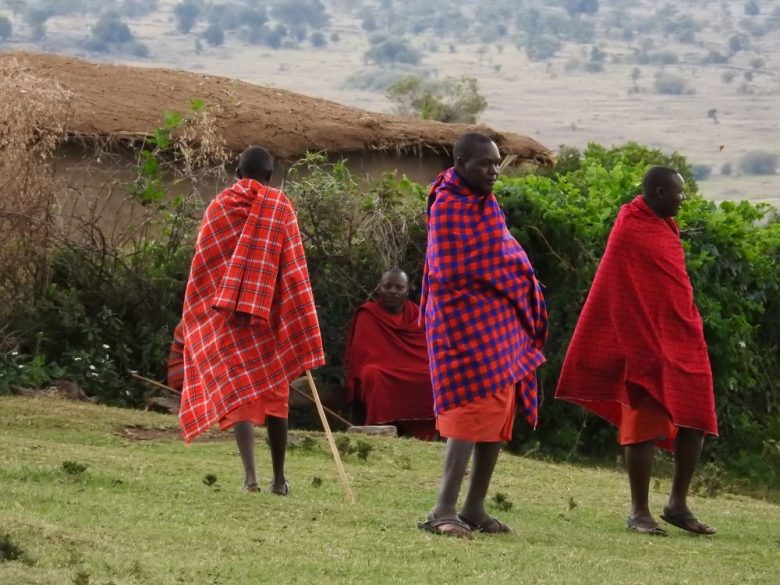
268, 404
647, 421
484, 420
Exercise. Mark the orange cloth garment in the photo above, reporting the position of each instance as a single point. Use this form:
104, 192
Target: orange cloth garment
487, 419
646, 421
272, 403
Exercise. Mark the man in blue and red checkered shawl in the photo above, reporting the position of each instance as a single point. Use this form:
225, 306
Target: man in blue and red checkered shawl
485, 324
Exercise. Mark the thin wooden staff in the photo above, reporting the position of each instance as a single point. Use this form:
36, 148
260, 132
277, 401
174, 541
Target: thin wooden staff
155, 383
339, 465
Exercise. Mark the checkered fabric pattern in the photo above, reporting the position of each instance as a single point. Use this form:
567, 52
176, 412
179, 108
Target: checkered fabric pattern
250, 323
483, 309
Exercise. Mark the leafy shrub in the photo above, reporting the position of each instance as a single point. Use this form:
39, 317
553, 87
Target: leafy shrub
759, 162
542, 48
449, 100
668, 84
393, 51
318, 39
351, 236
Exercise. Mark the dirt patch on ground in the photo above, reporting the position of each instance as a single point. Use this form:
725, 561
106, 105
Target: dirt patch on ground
124, 102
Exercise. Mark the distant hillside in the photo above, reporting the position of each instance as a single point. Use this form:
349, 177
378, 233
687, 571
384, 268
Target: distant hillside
700, 77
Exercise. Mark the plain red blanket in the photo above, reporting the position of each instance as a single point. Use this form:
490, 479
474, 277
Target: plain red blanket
639, 330
250, 324
387, 365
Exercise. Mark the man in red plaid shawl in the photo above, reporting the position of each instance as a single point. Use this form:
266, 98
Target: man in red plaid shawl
485, 323
638, 356
250, 325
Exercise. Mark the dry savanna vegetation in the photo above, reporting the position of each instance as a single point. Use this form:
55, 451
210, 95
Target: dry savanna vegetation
700, 77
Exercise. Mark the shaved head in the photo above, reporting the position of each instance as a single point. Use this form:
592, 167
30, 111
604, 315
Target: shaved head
256, 163
468, 144
663, 189
393, 290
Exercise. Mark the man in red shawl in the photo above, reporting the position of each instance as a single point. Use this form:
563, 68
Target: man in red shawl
638, 356
250, 325
485, 323
387, 361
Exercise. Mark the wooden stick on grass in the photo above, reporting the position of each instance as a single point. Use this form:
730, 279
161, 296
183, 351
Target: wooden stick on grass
339, 465
154, 383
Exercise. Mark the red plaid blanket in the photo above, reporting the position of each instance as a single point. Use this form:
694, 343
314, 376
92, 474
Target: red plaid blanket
484, 314
250, 323
640, 328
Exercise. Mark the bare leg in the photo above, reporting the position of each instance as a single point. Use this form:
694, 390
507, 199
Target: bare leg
687, 450
277, 437
456, 459
485, 457
686, 457
639, 464
245, 439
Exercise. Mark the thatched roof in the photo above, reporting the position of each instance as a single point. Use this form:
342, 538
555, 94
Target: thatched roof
123, 102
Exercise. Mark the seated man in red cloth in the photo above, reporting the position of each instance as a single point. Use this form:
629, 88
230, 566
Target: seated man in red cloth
250, 325
485, 323
387, 361
638, 356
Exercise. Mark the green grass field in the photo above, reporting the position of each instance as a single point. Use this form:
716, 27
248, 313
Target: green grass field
141, 513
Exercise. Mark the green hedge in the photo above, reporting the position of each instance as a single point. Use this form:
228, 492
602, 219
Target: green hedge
116, 312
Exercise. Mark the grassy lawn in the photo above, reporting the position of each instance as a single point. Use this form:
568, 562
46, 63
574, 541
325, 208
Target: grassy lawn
141, 513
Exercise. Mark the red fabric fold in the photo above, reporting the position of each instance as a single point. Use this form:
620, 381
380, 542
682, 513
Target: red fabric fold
387, 365
250, 324
640, 331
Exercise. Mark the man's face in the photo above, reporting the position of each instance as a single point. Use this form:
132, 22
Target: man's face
672, 196
393, 291
480, 170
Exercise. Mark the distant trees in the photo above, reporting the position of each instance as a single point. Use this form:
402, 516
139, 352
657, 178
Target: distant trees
318, 39
577, 7
542, 47
449, 100
35, 17
186, 15
296, 13
668, 84
110, 33
214, 35
759, 162
6, 28
391, 50
134, 8
752, 8
110, 29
